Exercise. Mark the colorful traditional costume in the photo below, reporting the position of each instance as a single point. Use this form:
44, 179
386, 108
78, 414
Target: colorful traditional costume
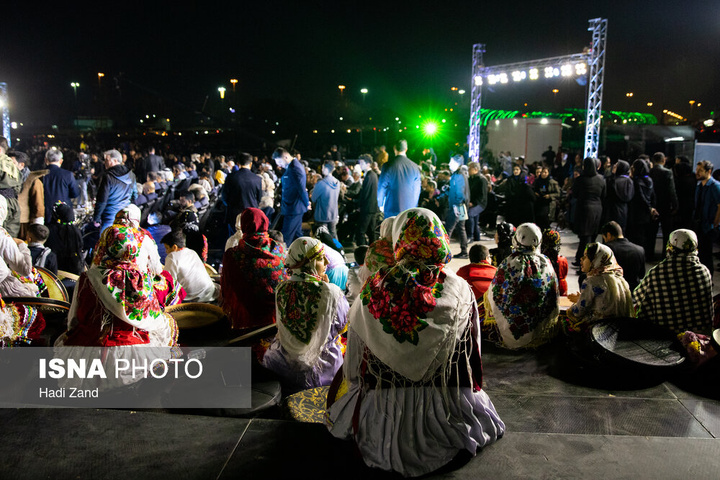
311, 315
19, 324
252, 271
603, 294
117, 304
550, 247
413, 368
21, 282
522, 302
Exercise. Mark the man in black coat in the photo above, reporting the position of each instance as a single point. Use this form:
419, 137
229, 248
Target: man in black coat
60, 184
667, 201
242, 189
367, 204
629, 256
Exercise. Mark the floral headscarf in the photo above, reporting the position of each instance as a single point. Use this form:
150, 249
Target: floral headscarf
682, 242
129, 216
381, 252
125, 289
306, 306
523, 296
409, 309
302, 255
252, 271
603, 260
550, 244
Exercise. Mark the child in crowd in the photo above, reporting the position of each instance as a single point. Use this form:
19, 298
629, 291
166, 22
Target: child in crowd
42, 256
503, 238
188, 270
479, 273
550, 247
356, 279
65, 239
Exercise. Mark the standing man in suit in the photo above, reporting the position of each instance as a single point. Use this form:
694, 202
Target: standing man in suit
629, 256
60, 184
367, 204
295, 201
243, 189
667, 201
399, 183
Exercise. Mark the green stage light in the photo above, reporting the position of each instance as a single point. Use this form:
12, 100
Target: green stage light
430, 129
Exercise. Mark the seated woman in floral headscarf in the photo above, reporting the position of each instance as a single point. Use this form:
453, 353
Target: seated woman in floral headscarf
311, 315
521, 304
677, 292
116, 304
550, 247
19, 324
252, 271
148, 259
603, 294
413, 368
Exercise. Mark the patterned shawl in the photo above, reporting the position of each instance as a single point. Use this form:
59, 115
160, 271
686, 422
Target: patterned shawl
252, 271
125, 289
523, 296
410, 313
306, 306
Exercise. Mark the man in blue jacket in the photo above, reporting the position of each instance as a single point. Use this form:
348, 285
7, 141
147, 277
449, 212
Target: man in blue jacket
59, 184
399, 183
295, 201
325, 199
116, 190
458, 195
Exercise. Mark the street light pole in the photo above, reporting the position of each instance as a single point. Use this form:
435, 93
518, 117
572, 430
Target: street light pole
75, 86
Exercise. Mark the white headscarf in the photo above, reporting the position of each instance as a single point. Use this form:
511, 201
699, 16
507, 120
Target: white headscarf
235, 238
305, 306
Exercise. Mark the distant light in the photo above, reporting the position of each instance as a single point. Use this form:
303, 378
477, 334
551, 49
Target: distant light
397, 119
461, 92
147, 116
492, 79
206, 132
430, 128
233, 81
533, 72
14, 125
363, 91
341, 118
709, 122
478, 80
332, 131
514, 121
341, 87
273, 132
100, 74
566, 70
503, 78
141, 120
179, 134
443, 120
167, 120
454, 89
232, 110
518, 75
348, 130
674, 139
222, 91
544, 121
650, 104
74, 84
314, 131
691, 102
580, 69
548, 72
555, 90
497, 122
629, 94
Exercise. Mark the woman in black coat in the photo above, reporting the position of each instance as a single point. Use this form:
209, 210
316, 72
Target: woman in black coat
641, 224
589, 192
620, 191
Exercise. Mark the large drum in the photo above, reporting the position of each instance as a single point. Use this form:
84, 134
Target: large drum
56, 290
200, 324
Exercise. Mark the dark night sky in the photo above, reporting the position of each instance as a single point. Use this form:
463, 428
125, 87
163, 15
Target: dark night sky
405, 53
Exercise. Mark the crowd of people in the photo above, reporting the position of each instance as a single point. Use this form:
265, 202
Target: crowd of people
397, 329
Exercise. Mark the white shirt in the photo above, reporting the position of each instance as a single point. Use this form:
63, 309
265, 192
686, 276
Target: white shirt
189, 271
